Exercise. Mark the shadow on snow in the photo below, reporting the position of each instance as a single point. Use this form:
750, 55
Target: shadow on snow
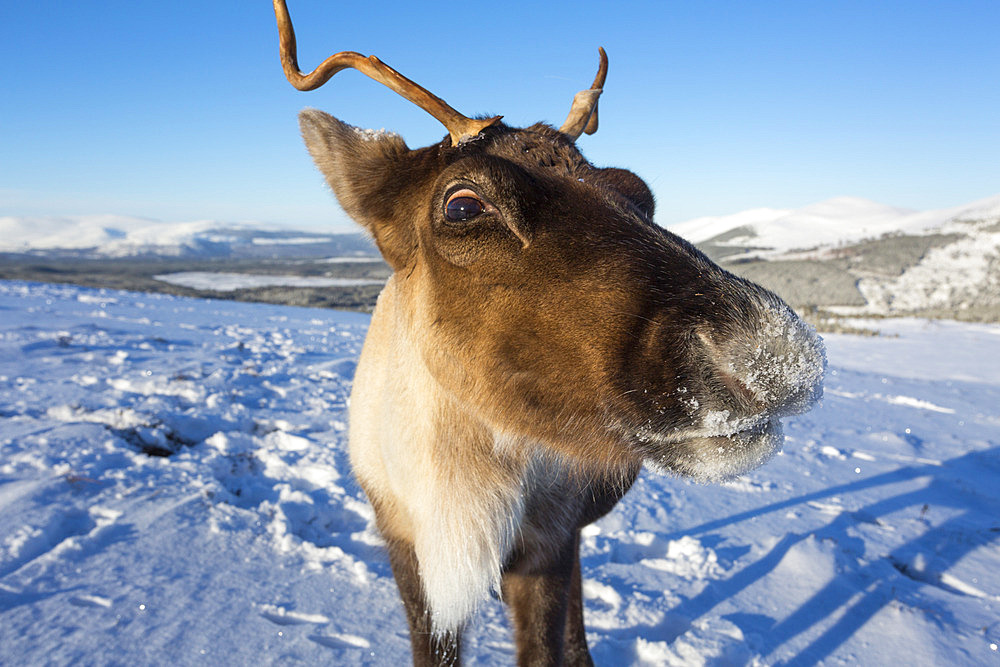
866, 583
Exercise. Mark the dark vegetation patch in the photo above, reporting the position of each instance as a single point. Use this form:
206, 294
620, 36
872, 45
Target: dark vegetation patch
888, 256
154, 440
803, 283
829, 279
826, 322
137, 274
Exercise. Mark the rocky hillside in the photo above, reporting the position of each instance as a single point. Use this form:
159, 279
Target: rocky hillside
853, 257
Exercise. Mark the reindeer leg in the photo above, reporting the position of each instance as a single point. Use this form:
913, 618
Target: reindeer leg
548, 622
576, 649
429, 649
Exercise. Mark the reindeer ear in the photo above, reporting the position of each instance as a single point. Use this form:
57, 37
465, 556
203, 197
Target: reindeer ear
359, 165
631, 187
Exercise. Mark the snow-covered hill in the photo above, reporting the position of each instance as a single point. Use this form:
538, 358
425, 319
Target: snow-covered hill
114, 236
834, 222
857, 257
174, 489
830, 223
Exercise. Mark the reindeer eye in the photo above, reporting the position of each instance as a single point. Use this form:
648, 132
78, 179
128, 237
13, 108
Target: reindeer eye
463, 205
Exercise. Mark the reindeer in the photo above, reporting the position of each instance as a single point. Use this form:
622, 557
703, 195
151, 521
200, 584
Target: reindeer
539, 340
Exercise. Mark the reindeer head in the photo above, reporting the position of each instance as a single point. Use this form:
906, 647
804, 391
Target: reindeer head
547, 302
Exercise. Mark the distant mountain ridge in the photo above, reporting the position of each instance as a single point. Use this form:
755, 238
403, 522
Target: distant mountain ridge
847, 255
828, 223
112, 236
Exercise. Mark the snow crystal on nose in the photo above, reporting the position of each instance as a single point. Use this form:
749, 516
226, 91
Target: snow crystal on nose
784, 367
725, 423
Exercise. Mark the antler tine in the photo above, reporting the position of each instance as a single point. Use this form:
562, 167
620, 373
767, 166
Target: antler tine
583, 114
459, 127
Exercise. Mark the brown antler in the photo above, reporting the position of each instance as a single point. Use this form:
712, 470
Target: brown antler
583, 115
459, 127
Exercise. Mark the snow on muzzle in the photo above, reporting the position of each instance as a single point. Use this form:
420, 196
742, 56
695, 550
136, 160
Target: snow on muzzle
765, 367
773, 364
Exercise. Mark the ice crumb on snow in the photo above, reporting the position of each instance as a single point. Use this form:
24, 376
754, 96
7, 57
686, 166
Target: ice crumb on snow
826, 508
595, 590
14, 544
289, 442
748, 485
686, 558
709, 641
96, 298
119, 418
340, 640
90, 601
318, 476
282, 616
917, 403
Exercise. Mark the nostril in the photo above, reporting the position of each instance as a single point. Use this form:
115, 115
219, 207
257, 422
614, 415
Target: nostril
724, 373
774, 365
740, 391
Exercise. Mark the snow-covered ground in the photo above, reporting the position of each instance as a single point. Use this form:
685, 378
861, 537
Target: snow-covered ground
873, 539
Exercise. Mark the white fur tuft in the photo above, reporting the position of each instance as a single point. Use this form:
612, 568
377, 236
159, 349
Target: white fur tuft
462, 549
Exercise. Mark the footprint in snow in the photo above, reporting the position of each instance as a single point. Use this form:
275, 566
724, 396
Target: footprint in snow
31, 543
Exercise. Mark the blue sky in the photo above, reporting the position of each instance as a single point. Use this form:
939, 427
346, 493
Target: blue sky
179, 110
